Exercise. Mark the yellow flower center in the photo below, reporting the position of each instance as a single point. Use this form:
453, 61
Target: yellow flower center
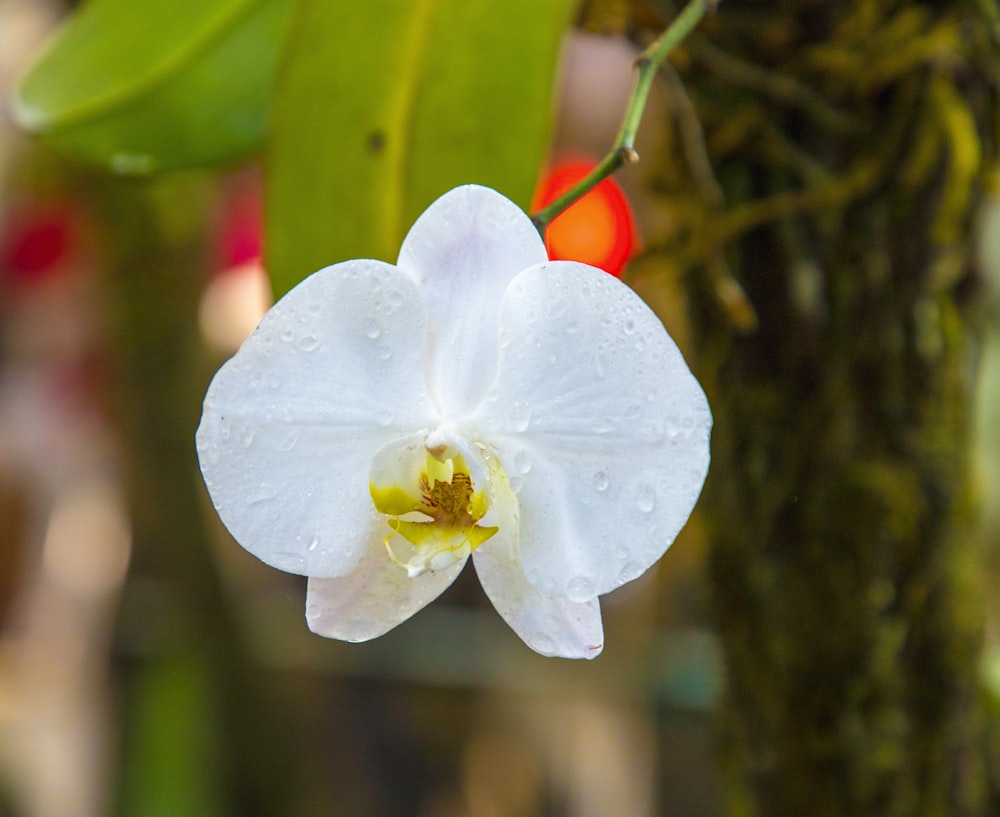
437, 513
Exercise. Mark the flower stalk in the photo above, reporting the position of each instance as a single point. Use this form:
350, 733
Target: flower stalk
623, 151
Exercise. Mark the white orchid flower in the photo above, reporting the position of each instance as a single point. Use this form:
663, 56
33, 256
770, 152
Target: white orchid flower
384, 423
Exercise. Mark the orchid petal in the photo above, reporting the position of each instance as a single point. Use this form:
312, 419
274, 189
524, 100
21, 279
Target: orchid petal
373, 599
290, 423
549, 625
463, 251
600, 425
553, 626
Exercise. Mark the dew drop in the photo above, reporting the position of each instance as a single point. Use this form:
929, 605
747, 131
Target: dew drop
522, 462
395, 298
313, 544
308, 343
372, 329
288, 336
633, 412
289, 443
384, 417
246, 437
543, 644
555, 309
579, 589
629, 571
520, 416
261, 495
647, 498
630, 327
640, 344
601, 481
572, 328
313, 612
383, 352
516, 484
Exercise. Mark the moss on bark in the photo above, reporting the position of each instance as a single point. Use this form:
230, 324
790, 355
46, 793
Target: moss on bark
833, 184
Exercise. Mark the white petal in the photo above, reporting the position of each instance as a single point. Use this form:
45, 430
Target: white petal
600, 426
549, 625
373, 599
463, 251
291, 422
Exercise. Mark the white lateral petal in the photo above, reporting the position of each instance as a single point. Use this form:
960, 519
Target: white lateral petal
463, 251
552, 626
291, 422
601, 426
373, 599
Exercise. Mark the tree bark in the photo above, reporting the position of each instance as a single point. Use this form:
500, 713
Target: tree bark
822, 191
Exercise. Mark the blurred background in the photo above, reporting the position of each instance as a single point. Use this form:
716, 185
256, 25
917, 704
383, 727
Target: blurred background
814, 219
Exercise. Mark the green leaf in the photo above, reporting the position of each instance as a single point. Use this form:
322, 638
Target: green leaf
383, 106
159, 85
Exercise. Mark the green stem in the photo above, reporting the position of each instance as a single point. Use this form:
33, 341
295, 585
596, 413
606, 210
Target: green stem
623, 152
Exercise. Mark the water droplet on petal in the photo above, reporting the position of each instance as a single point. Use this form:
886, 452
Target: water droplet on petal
601, 481
647, 498
520, 416
308, 343
543, 644
384, 417
383, 352
395, 298
262, 494
572, 328
372, 329
522, 462
555, 308
313, 612
516, 484
629, 327
579, 589
313, 544
629, 571
288, 336
246, 437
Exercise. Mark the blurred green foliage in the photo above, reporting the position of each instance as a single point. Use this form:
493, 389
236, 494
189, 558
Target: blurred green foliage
379, 107
415, 98
165, 85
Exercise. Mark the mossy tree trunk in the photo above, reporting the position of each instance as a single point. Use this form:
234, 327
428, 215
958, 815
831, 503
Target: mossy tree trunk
829, 164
